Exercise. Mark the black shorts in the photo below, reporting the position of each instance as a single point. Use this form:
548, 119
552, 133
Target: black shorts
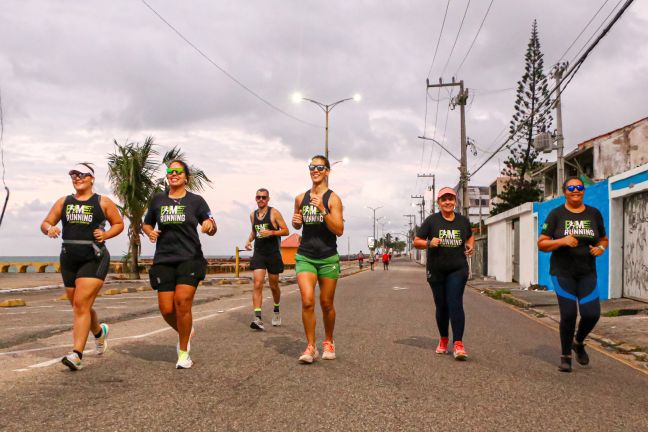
272, 262
74, 268
164, 277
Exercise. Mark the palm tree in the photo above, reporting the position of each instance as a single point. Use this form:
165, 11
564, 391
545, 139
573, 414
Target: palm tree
133, 173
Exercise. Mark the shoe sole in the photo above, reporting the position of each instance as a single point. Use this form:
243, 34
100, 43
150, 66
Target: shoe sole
255, 326
276, 324
329, 356
441, 352
71, 365
182, 368
461, 357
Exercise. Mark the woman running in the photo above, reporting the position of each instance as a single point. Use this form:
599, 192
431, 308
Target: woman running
178, 264
84, 257
448, 239
574, 233
319, 211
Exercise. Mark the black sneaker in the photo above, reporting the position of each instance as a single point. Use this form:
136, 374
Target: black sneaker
257, 324
581, 356
565, 364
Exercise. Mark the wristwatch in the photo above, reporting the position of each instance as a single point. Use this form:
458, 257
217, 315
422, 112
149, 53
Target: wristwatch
601, 247
324, 213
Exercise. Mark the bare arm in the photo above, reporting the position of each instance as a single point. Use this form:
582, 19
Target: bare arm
297, 219
421, 243
252, 235
278, 221
48, 227
334, 220
547, 244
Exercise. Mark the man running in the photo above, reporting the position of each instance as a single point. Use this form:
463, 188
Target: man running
267, 228
360, 260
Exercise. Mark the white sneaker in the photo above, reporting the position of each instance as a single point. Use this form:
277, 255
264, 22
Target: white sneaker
310, 355
191, 336
329, 350
276, 319
72, 361
184, 363
101, 343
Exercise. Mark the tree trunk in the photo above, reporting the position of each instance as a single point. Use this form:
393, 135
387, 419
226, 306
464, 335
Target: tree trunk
133, 250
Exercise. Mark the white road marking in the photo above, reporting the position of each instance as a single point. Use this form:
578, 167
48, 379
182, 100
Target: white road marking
45, 363
20, 370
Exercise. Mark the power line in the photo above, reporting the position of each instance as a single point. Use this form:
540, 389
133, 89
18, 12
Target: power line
569, 75
436, 50
475, 38
583, 31
227, 74
456, 38
597, 29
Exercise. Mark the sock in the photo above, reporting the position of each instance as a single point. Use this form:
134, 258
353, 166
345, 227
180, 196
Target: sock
257, 312
276, 307
183, 354
98, 335
80, 354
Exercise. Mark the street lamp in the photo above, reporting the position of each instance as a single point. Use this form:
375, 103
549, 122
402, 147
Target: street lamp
374, 219
297, 97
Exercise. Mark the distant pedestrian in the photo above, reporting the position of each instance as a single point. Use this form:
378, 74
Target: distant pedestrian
267, 228
84, 257
575, 235
372, 259
319, 212
360, 260
178, 264
385, 260
448, 240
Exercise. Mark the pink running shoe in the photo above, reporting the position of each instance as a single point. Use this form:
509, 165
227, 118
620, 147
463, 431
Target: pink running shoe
310, 355
459, 351
329, 350
442, 348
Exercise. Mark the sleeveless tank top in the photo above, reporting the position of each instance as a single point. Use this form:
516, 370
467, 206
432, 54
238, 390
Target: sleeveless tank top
317, 242
81, 218
267, 245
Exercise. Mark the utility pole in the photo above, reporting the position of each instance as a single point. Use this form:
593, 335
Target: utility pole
461, 99
433, 189
374, 222
558, 71
409, 236
422, 204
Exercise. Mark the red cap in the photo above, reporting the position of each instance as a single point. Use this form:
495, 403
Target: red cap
445, 191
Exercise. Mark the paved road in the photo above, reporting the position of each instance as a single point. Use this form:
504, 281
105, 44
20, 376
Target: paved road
386, 378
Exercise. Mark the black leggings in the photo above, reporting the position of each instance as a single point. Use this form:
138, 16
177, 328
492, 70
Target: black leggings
570, 291
448, 298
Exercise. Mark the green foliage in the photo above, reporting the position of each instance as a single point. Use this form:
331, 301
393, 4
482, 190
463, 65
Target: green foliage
532, 116
390, 242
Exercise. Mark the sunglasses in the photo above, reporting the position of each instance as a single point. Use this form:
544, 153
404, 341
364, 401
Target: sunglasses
261, 197
572, 188
176, 171
79, 175
319, 168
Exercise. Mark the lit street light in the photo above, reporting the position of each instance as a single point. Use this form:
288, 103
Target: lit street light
297, 97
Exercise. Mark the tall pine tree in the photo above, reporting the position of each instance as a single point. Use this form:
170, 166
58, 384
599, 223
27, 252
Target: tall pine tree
532, 116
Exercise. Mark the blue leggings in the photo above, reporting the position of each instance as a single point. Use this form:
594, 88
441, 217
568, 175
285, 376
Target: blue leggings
576, 293
448, 298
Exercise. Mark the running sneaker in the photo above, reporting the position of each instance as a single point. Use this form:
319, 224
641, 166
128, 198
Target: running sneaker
276, 319
329, 350
310, 355
565, 364
72, 361
459, 351
442, 348
101, 343
257, 324
581, 355
191, 336
184, 361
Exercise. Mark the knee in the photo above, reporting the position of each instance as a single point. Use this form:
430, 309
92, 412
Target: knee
166, 309
308, 306
327, 306
258, 285
182, 304
590, 313
80, 306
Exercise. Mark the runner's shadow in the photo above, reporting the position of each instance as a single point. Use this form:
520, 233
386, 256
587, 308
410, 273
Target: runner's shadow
422, 342
285, 345
151, 353
546, 353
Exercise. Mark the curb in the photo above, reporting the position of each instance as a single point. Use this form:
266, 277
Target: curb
13, 303
618, 346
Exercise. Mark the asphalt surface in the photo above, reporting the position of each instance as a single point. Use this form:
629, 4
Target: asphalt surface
386, 378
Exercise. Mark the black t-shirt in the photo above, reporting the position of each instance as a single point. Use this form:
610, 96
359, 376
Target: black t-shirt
318, 242
177, 219
588, 229
450, 255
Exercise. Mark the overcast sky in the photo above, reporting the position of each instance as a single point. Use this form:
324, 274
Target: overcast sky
74, 76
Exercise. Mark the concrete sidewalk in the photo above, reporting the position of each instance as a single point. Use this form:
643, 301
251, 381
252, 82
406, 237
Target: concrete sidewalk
623, 326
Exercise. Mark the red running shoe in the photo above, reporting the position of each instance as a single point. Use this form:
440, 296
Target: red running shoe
442, 348
459, 351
